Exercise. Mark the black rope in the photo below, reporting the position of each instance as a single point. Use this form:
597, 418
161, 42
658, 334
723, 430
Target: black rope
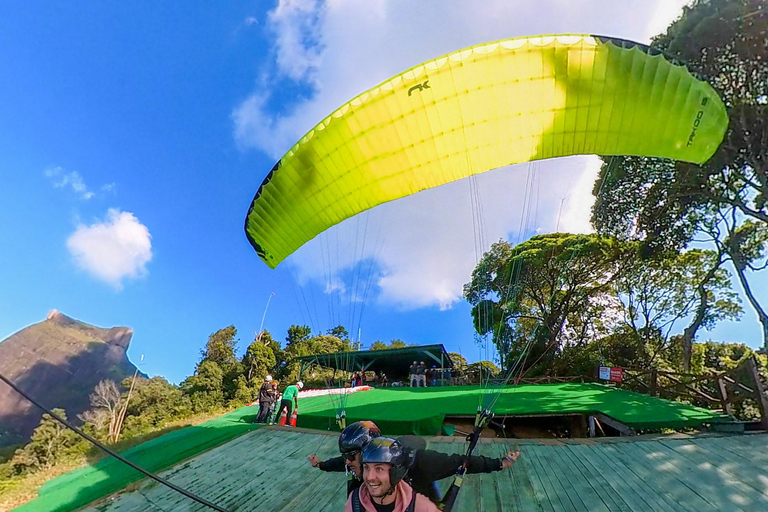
114, 454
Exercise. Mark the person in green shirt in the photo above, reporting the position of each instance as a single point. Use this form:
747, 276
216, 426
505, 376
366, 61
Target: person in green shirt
290, 401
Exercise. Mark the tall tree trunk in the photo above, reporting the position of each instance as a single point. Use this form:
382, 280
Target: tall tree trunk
689, 334
761, 315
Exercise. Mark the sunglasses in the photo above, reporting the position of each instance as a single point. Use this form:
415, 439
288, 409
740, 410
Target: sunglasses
350, 456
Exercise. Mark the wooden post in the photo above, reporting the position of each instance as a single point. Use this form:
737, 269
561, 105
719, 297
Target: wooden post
762, 400
654, 384
591, 421
724, 396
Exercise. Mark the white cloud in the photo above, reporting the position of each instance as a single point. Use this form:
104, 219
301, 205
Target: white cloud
296, 25
73, 180
113, 250
343, 47
250, 20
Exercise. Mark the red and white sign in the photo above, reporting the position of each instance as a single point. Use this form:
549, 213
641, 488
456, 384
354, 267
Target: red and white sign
613, 374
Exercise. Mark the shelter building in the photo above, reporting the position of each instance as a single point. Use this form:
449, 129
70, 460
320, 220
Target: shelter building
394, 362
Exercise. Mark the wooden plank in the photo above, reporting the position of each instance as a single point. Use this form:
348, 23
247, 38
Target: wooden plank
745, 486
575, 457
654, 468
631, 487
556, 493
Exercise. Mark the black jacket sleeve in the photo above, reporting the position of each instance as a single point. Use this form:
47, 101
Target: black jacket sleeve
437, 465
334, 465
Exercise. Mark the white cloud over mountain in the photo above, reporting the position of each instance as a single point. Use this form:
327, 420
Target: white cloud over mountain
116, 249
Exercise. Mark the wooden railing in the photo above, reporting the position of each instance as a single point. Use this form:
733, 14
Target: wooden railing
725, 391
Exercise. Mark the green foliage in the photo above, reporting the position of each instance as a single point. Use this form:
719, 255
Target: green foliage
479, 372
49, 441
154, 403
297, 334
459, 363
664, 204
302, 345
206, 387
545, 292
339, 332
661, 293
220, 347
380, 345
259, 360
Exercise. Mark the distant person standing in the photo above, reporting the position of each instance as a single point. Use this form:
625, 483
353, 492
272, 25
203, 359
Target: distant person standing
273, 405
421, 372
266, 399
384, 380
290, 401
412, 374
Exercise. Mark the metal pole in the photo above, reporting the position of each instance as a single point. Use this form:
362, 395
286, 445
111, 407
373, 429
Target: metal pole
261, 327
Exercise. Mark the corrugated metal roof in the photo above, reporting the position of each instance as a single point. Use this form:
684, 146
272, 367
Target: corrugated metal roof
267, 470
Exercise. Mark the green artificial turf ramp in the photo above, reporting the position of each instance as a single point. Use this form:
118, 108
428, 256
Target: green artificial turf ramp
82, 486
422, 411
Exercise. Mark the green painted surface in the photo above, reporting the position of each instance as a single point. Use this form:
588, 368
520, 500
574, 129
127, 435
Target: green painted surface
422, 410
399, 411
631, 474
84, 485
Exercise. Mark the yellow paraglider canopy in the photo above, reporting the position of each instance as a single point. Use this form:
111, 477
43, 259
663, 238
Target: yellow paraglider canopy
478, 109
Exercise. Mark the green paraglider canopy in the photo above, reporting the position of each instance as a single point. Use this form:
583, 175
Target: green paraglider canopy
477, 109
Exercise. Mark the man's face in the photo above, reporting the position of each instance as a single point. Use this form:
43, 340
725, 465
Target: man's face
376, 478
352, 459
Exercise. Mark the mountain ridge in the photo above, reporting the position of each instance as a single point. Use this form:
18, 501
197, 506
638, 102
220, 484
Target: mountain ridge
57, 362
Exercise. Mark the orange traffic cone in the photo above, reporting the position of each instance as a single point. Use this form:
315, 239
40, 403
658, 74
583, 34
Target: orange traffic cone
283, 417
294, 417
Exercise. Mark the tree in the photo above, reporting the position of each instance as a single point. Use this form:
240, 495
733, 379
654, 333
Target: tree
481, 371
297, 334
660, 293
666, 203
323, 344
206, 387
48, 442
155, 401
546, 292
258, 360
380, 345
106, 401
459, 363
339, 331
220, 347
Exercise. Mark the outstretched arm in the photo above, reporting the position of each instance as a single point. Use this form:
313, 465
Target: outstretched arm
334, 464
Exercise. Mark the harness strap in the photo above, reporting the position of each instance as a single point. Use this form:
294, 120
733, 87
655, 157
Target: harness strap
356, 505
413, 502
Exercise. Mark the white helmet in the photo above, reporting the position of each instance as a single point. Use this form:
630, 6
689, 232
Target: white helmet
300, 384
268, 378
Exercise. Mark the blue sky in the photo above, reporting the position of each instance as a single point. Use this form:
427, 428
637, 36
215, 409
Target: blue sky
134, 135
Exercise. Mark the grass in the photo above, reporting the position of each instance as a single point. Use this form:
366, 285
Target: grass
19, 490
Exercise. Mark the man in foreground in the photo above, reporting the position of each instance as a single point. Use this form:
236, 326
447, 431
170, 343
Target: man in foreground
426, 466
385, 463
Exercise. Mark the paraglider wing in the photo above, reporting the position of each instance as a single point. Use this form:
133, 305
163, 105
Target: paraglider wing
479, 109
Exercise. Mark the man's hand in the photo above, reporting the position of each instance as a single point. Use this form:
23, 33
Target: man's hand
314, 460
509, 459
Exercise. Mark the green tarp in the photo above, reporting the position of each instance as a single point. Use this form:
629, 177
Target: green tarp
422, 411
82, 486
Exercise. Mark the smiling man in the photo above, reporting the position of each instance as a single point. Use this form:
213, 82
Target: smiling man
425, 466
385, 464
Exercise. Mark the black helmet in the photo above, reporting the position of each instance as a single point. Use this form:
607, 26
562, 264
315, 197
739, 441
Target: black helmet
357, 435
384, 450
